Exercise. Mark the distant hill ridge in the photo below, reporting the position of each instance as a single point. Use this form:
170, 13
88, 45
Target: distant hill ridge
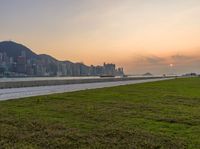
13, 49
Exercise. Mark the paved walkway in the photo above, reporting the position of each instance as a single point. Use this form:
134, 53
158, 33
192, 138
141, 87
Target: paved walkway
16, 93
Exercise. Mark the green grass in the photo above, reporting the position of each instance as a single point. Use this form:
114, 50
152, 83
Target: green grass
163, 114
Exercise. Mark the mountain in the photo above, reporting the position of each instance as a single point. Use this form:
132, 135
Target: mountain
13, 49
147, 74
48, 58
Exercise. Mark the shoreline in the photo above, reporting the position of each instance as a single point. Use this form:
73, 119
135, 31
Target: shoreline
49, 82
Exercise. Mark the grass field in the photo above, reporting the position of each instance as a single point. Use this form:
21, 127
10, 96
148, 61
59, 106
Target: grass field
163, 114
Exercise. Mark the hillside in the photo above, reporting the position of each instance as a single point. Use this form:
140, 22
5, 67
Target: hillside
13, 49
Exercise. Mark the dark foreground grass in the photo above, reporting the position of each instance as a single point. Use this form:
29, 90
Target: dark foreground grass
163, 114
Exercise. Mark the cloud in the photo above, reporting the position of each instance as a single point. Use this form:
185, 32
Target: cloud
178, 57
154, 59
185, 60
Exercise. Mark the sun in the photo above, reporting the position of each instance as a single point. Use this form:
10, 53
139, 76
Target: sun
171, 65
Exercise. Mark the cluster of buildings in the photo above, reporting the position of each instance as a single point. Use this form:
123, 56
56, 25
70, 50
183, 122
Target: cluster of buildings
16, 66
44, 65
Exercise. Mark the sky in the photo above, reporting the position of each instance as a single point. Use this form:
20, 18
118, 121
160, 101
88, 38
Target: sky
157, 36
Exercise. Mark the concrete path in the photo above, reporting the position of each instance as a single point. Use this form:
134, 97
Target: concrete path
16, 93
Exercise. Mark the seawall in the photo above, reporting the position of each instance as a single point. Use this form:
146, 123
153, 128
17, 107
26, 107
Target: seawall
18, 84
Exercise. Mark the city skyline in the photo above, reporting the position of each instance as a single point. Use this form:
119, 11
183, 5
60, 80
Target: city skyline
141, 36
17, 60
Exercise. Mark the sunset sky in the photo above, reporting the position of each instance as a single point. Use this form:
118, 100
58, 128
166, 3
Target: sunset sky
158, 36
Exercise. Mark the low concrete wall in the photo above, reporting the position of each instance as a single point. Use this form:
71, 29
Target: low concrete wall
18, 84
